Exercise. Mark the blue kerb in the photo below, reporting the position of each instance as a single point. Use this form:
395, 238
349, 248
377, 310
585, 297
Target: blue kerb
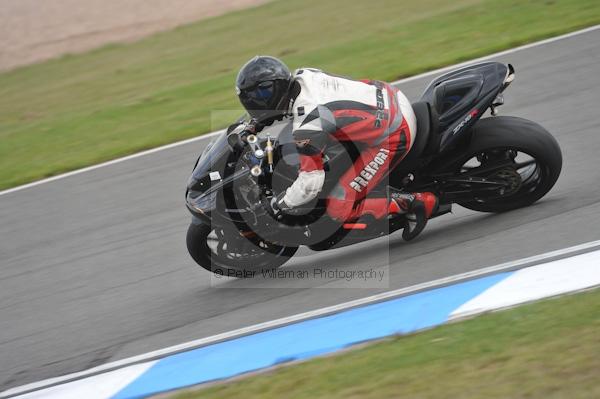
307, 339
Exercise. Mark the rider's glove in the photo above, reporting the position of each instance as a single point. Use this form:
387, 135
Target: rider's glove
276, 206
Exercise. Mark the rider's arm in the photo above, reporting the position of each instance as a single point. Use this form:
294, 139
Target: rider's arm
309, 182
311, 130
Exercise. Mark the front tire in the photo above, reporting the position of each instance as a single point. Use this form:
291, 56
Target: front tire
233, 262
506, 133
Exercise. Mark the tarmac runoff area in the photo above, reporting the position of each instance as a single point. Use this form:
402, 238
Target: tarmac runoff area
572, 269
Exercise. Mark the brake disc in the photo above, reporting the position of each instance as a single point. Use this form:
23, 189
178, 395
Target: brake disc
510, 177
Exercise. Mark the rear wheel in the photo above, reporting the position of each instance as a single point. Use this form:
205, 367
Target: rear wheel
233, 255
516, 152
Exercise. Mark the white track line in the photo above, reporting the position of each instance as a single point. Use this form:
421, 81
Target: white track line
499, 54
112, 162
518, 264
212, 134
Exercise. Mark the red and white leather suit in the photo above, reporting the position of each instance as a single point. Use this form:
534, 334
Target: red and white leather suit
338, 108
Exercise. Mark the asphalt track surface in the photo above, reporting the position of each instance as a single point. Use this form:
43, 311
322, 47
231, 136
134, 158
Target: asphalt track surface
94, 266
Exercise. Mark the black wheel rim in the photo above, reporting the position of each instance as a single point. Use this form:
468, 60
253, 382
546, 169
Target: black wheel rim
520, 171
239, 252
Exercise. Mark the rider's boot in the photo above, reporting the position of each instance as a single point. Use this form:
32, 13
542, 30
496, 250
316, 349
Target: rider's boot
417, 208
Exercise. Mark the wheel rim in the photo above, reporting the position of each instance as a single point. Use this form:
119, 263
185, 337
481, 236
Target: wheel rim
239, 252
521, 171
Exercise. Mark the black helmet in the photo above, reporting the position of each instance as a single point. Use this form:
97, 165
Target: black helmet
262, 86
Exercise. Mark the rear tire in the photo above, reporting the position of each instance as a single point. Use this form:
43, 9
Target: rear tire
197, 244
524, 136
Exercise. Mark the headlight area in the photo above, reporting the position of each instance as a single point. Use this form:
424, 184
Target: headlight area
200, 203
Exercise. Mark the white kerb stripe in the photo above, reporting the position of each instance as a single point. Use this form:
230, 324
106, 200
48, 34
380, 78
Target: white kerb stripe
549, 279
102, 386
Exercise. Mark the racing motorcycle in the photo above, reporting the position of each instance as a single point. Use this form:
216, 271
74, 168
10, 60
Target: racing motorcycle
492, 164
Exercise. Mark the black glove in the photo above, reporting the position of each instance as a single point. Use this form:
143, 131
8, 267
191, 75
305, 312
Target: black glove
276, 206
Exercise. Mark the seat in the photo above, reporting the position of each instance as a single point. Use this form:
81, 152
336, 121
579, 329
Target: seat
435, 135
423, 115
427, 139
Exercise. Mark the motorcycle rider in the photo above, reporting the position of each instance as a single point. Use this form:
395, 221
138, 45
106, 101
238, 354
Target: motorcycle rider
325, 107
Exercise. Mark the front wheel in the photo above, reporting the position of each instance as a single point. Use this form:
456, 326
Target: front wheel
531, 162
233, 256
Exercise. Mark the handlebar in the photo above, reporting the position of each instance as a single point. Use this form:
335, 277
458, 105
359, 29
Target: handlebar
238, 135
245, 134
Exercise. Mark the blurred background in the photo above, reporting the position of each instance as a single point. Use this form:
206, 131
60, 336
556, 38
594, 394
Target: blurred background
138, 89
93, 268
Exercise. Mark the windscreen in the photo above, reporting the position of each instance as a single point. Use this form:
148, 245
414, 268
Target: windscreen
210, 157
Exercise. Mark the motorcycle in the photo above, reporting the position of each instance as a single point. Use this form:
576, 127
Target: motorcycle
492, 164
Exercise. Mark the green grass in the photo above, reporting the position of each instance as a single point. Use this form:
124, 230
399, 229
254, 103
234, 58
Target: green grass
548, 349
83, 109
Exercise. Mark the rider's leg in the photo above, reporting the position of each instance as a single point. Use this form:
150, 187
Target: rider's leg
417, 208
348, 200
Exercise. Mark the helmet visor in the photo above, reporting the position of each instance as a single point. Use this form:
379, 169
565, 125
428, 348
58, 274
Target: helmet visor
259, 96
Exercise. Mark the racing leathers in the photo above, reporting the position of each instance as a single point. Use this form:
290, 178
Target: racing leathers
373, 113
